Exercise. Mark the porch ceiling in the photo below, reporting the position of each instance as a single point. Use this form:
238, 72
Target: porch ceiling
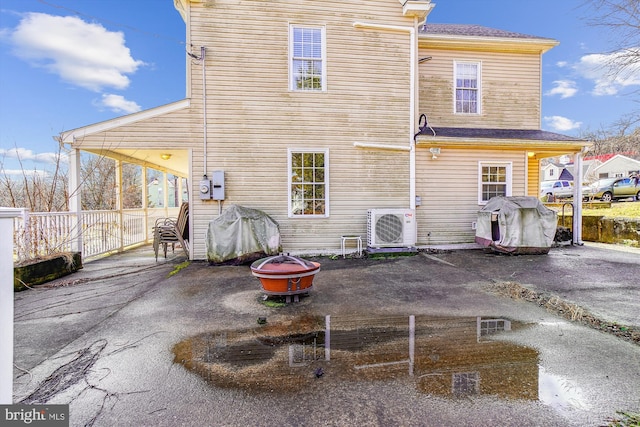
177, 163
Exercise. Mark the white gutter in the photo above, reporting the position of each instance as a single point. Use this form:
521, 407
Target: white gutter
412, 105
382, 146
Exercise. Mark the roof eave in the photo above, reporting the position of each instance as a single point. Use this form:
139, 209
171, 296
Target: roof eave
535, 145
70, 136
457, 42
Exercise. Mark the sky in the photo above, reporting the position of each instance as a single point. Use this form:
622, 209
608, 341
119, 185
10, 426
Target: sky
65, 64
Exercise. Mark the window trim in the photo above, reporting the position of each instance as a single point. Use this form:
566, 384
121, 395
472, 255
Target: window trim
290, 152
509, 182
478, 89
292, 81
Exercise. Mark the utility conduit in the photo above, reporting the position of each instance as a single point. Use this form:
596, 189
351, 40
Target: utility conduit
412, 103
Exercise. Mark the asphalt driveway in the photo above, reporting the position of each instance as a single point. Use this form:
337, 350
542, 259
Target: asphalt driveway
103, 340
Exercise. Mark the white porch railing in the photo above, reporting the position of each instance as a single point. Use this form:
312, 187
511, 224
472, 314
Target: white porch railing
43, 233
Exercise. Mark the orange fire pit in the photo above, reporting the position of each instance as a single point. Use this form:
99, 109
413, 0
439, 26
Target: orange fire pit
285, 275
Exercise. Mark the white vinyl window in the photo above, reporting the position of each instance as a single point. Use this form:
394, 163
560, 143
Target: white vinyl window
307, 58
465, 383
494, 179
308, 183
467, 87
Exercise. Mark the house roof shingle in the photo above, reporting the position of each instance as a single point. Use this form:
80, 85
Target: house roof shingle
521, 134
469, 30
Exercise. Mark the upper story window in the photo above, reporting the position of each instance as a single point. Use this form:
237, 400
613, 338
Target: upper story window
307, 58
467, 87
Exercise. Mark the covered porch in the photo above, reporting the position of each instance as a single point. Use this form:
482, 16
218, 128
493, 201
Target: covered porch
149, 184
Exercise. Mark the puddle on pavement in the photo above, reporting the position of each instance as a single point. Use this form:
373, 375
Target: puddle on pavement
451, 357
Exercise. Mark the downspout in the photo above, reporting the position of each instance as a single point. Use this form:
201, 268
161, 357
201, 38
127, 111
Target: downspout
202, 58
412, 104
204, 107
412, 112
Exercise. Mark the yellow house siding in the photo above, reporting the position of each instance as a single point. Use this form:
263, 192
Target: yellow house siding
533, 176
510, 89
448, 187
253, 118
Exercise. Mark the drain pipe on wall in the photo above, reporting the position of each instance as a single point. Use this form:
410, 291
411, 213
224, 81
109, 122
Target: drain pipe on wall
412, 106
202, 58
204, 109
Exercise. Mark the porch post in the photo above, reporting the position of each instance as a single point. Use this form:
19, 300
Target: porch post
119, 204
75, 199
577, 200
165, 193
145, 202
6, 304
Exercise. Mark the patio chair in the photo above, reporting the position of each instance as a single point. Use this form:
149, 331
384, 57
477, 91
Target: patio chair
169, 231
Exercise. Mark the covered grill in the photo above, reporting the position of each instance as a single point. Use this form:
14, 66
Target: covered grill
516, 225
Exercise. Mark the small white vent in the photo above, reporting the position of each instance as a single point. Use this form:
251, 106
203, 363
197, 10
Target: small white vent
391, 228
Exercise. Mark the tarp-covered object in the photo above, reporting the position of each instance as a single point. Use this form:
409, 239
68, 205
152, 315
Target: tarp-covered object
241, 235
516, 225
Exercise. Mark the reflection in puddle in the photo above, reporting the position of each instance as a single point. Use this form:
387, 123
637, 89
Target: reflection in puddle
560, 393
441, 356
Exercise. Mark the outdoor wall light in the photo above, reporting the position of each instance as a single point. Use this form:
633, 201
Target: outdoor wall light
165, 156
435, 152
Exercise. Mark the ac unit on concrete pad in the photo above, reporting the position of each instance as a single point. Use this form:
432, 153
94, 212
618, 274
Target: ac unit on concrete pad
391, 228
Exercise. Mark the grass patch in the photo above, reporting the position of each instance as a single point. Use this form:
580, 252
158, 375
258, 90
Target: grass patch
617, 210
390, 255
272, 302
626, 419
179, 267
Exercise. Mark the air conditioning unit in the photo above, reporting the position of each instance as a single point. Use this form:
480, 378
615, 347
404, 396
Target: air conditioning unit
391, 228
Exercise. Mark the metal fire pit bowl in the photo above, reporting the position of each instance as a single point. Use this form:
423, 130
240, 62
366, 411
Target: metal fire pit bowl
285, 275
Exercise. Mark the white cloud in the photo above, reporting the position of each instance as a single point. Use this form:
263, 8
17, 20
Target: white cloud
610, 73
561, 124
81, 53
24, 154
119, 104
562, 64
564, 88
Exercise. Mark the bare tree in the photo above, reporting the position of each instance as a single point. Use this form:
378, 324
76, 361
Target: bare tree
98, 183
622, 137
36, 190
131, 186
621, 20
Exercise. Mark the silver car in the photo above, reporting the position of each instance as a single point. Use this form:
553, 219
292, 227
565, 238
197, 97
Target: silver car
560, 189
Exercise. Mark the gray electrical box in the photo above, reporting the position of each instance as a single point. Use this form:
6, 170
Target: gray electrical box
205, 188
217, 188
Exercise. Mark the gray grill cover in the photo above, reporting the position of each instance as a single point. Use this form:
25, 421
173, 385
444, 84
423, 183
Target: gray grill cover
516, 225
241, 235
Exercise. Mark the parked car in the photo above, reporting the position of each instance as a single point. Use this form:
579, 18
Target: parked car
609, 189
559, 189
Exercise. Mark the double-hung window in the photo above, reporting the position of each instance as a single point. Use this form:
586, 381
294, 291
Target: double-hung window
467, 87
494, 179
307, 58
308, 183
